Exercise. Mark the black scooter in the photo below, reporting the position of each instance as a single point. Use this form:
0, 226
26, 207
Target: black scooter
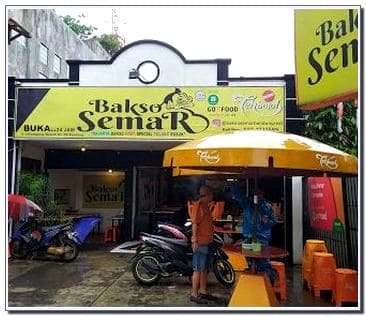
159, 256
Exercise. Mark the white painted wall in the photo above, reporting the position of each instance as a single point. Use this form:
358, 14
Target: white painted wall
173, 70
297, 220
33, 152
263, 83
73, 180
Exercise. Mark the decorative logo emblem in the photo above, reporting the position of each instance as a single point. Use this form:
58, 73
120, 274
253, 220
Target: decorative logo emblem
266, 106
200, 96
213, 100
217, 122
328, 162
211, 157
268, 95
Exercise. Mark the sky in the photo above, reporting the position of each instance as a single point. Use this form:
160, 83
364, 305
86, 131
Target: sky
258, 40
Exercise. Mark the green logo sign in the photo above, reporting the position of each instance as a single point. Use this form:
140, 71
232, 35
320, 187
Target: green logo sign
338, 226
213, 99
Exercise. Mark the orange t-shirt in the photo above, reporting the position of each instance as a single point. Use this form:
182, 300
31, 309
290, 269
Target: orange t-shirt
204, 221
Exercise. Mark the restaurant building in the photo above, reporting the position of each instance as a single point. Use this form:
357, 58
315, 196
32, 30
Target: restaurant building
100, 134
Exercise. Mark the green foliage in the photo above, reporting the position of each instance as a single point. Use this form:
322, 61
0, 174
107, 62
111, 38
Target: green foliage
110, 42
83, 31
38, 188
321, 125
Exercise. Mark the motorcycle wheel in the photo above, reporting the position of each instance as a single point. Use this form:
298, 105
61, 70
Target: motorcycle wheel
224, 272
142, 275
71, 250
18, 249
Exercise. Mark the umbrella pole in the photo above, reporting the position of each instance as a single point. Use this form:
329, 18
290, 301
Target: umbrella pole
256, 207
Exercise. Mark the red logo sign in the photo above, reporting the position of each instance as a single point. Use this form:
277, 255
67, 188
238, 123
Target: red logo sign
268, 95
322, 207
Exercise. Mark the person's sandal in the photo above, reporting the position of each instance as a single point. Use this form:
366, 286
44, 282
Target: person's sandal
198, 299
208, 296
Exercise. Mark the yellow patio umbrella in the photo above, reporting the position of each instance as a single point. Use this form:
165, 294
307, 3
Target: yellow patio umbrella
250, 153
197, 172
253, 153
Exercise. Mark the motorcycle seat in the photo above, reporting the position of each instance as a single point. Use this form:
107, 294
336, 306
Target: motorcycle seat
178, 242
46, 229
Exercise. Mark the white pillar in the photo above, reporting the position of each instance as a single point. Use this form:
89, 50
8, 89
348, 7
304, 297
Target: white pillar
19, 166
133, 205
14, 167
297, 219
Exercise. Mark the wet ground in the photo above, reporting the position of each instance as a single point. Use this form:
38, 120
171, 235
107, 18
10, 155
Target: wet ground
99, 278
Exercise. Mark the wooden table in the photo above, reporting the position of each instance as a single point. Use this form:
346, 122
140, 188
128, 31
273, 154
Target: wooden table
226, 231
230, 233
267, 252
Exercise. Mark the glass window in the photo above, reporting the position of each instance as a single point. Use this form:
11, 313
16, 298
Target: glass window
57, 64
20, 39
43, 54
41, 75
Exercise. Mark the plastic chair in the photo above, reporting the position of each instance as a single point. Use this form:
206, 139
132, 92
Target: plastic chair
111, 234
323, 272
218, 210
280, 286
346, 286
310, 247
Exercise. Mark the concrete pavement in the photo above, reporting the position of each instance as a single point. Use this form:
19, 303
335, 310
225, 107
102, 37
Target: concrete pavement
102, 279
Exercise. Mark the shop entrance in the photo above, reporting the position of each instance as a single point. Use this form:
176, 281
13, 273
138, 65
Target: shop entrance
155, 200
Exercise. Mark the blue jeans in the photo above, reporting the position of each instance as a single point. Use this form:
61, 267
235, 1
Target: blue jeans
202, 259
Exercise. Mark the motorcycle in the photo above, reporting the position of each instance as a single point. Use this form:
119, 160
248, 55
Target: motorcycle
60, 242
160, 256
170, 230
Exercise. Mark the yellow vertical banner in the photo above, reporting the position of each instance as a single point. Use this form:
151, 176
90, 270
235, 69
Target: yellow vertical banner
326, 50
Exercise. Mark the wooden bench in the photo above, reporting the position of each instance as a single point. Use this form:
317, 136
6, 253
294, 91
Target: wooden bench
253, 290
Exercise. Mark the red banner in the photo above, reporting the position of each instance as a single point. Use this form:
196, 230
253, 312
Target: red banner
322, 203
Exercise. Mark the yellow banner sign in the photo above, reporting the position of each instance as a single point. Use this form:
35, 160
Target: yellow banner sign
326, 57
146, 113
103, 191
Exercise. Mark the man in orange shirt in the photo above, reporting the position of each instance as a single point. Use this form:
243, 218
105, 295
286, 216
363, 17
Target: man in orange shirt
202, 237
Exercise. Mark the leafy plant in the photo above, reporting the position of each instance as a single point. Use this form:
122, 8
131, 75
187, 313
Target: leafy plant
38, 188
321, 125
110, 42
83, 31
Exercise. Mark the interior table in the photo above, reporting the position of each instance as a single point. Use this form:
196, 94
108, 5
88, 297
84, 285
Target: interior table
267, 252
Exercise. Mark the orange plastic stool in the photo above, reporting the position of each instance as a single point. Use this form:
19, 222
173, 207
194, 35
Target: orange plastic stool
346, 286
310, 247
323, 272
280, 286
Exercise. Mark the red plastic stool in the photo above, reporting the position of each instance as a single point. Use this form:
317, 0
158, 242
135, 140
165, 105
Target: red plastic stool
111, 234
346, 286
115, 233
280, 286
323, 272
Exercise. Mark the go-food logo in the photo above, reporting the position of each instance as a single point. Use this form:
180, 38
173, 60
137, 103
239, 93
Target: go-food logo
213, 99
